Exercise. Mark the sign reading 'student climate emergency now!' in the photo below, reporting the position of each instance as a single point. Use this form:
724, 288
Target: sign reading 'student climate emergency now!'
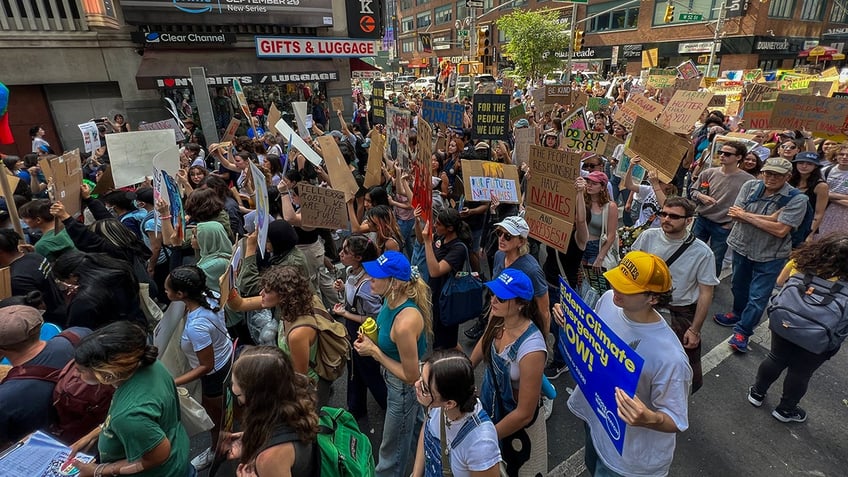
284, 47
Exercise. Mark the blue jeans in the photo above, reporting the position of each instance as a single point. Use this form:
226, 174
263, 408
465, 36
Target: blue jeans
407, 232
404, 417
594, 464
419, 259
751, 285
715, 235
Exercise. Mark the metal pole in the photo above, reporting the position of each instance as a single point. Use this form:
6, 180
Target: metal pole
472, 35
719, 26
204, 103
571, 44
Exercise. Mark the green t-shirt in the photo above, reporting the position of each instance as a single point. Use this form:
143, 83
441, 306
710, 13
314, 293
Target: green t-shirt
145, 410
51, 245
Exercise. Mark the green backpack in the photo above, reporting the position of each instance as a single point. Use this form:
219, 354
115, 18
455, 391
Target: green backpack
345, 450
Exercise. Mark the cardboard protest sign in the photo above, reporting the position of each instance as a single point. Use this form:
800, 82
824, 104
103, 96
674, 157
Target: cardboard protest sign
823, 116
692, 84
576, 120
582, 140
563, 164
378, 102
131, 155
659, 148
322, 208
230, 132
373, 170
558, 93
758, 115
5, 283
341, 177
397, 134
105, 183
298, 142
688, 70
274, 115
650, 58
66, 172
753, 92
169, 123
684, 109
538, 97
718, 101
823, 88
422, 183
548, 228
490, 118
553, 195
90, 136
337, 104
263, 207
660, 81
443, 112
8, 183
612, 143
635, 107
524, 138
486, 179
601, 359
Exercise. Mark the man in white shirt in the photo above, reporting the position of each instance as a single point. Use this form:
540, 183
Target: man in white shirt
693, 276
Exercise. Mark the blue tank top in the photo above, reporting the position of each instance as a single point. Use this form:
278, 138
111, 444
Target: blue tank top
385, 321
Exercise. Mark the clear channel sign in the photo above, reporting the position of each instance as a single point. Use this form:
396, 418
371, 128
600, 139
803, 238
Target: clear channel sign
690, 17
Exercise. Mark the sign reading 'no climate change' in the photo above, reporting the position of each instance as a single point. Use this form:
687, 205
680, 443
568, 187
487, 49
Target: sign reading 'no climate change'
491, 116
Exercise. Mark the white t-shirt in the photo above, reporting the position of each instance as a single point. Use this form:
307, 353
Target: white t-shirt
663, 386
478, 451
203, 328
696, 266
534, 342
648, 199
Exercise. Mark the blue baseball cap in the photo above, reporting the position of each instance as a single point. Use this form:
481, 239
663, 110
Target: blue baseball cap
390, 264
512, 283
807, 156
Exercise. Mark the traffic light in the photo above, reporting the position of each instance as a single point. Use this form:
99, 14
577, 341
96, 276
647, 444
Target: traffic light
669, 13
483, 42
578, 40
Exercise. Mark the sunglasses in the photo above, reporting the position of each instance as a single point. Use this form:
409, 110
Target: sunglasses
726, 153
668, 215
590, 166
507, 237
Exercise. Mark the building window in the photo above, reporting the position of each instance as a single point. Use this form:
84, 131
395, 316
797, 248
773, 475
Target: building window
839, 14
708, 9
767, 65
407, 46
781, 8
405, 4
407, 24
813, 10
444, 14
423, 20
624, 19
422, 2
461, 10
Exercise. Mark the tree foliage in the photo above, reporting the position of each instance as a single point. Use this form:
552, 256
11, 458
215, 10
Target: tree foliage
535, 37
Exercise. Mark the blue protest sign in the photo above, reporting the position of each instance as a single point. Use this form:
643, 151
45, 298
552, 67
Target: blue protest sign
599, 361
442, 112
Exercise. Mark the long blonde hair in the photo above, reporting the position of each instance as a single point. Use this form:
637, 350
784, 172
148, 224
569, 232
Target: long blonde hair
419, 292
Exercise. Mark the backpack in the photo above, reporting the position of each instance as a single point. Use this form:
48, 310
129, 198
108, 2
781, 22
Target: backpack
810, 312
80, 407
333, 346
800, 233
343, 450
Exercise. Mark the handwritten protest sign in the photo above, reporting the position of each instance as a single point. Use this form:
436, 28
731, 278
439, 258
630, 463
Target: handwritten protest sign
688, 70
756, 92
544, 160
378, 102
490, 118
660, 81
373, 170
240, 98
658, 148
650, 58
691, 84
341, 177
485, 179
683, 110
557, 93
131, 155
169, 123
823, 88
230, 132
322, 208
337, 104
638, 106
718, 101
397, 134
548, 228
600, 361
553, 195
821, 115
90, 135
298, 142
758, 115
524, 138
443, 112
582, 140
274, 115
576, 120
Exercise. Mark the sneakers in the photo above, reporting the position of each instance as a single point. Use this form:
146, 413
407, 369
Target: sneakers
553, 371
476, 331
793, 415
726, 319
755, 398
547, 407
739, 343
204, 459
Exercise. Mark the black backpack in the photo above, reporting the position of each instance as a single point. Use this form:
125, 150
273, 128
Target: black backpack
811, 312
799, 234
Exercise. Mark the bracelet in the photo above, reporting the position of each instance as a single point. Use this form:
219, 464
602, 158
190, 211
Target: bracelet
163, 217
98, 471
692, 330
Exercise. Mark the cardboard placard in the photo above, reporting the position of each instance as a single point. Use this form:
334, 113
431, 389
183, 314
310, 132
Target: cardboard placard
131, 155
758, 115
5, 283
230, 132
66, 171
688, 70
576, 120
322, 208
8, 183
718, 101
300, 118
754, 92
105, 183
397, 134
660, 81
650, 58
548, 228
485, 179
582, 140
692, 84
823, 116
638, 106
538, 97
274, 115
341, 177
612, 143
169, 123
823, 88
553, 195
378, 102
337, 104
524, 138
490, 119
374, 168
563, 164
684, 109
658, 148
443, 112
558, 93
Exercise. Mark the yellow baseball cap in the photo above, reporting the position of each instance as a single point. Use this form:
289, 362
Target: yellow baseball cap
640, 272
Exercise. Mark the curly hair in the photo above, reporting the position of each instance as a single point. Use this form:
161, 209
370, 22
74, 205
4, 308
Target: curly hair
274, 396
292, 288
826, 258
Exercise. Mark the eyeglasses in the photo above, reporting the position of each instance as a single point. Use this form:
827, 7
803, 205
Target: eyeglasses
590, 166
726, 153
507, 237
788, 147
669, 215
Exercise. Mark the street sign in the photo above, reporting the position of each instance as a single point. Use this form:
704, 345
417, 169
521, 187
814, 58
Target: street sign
572, 1
461, 33
690, 17
474, 3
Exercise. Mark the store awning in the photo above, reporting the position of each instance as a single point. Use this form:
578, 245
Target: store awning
169, 69
824, 53
358, 65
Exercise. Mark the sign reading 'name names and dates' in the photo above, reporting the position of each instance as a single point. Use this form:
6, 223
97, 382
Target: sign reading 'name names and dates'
280, 47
